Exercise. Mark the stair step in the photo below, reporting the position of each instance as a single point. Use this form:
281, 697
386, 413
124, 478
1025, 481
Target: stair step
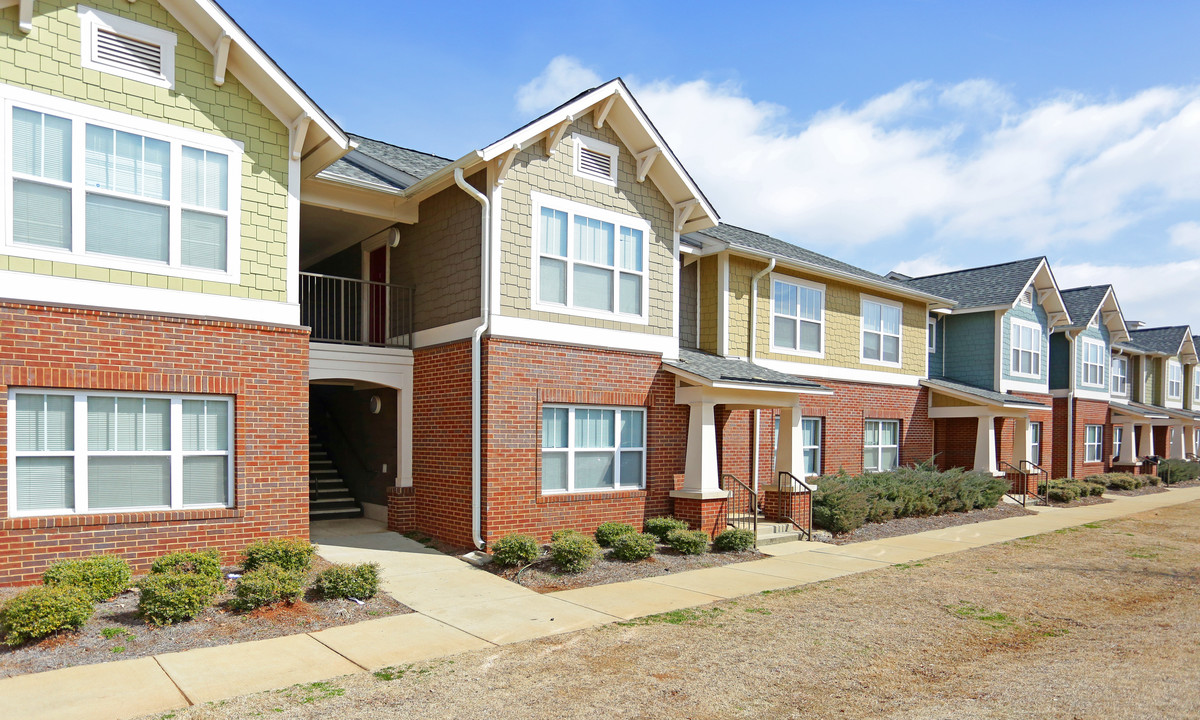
780, 537
332, 504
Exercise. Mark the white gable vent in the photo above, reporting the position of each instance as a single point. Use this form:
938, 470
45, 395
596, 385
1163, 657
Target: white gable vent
119, 46
595, 160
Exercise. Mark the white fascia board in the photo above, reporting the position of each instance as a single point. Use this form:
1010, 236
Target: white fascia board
702, 381
981, 401
443, 178
1037, 388
557, 333
816, 373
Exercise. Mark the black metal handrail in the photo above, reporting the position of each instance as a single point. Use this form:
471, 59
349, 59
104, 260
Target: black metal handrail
794, 486
741, 509
1022, 496
348, 311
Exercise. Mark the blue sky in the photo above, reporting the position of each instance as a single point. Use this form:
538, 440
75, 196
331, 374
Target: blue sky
916, 135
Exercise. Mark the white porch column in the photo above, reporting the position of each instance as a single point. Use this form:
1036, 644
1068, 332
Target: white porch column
1189, 439
790, 455
1175, 442
404, 422
985, 445
1127, 456
1022, 437
700, 470
1146, 441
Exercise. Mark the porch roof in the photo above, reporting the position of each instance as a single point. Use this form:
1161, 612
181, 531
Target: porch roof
978, 394
716, 371
1138, 410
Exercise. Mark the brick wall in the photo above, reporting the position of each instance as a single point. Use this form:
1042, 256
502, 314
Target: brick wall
954, 442
843, 413
1087, 412
263, 368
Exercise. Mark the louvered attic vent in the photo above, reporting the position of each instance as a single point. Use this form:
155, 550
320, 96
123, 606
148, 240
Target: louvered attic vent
128, 53
126, 48
595, 163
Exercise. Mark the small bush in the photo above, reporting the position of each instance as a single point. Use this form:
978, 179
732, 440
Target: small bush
349, 581
43, 611
265, 585
837, 507
287, 553
515, 550
608, 532
632, 547
1175, 471
171, 597
559, 534
1117, 481
660, 527
202, 562
574, 553
100, 576
1154, 480
1093, 489
688, 542
1063, 493
734, 540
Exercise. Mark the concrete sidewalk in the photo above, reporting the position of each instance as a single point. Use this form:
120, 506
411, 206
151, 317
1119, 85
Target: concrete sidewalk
459, 608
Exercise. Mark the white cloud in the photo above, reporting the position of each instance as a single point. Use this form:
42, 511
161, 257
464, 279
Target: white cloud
1186, 235
563, 78
925, 265
1158, 294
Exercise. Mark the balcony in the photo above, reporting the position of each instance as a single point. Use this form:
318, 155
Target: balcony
346, 311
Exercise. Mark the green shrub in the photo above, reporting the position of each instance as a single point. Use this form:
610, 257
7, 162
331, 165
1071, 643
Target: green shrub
287, 553
838, 507
265, 585
170, 597
559, 534
632, 547
734, 540
1063, 493
515, 550
608, 532
1175, 471
1093, 489
359, 581
43, 611
1117, 481
100, 576
843, 502
202, 562
688, 542
1154, 480
660, 527
574, 553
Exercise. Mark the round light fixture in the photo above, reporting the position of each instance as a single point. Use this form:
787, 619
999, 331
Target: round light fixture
376, 405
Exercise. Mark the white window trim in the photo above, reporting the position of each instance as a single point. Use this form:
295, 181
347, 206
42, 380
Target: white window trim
819, 287
879, 448
570, 449
1013, 324
1093, 451
82, 115
1172, 366
805, 449
930, 335
1118, 440
1101, 352
81, 453
1196, 388
91, 19
1035, 446
541, 200
1124, 375
863, 298
583, 141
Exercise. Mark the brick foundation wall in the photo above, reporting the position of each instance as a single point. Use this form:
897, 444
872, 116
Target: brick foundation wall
441, 453
263, 368
954, 442
401, 509
778, 506
706, 515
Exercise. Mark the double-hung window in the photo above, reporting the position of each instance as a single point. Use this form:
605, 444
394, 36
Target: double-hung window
1093, 444
1174, 380
105, 452
811, 434
592, 448
90, 185
1035, 442
1118, 440
1026, 358
590, 261
797, 316
1093, 363
1120, 376
881, 445
881, 331
931, 335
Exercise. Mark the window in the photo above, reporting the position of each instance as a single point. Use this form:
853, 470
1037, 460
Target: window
797, 316
1026, 349
880, 332
596, 160
1120, 372
1196, 387
931, 335
1118, 440
590, 261
592, 448
110, 190
1093, 444
881, 445
1174, 380
1093, 363
119, 46
78, 453
811, 432
1035, 442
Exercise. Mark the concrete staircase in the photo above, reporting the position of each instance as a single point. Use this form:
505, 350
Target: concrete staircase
770, 533
332, 499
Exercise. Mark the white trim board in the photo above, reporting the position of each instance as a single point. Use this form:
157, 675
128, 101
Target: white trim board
817, 372
601, 338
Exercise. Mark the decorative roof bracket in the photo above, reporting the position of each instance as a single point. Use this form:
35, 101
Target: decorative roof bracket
220, 53
505, 162
602, 111
555, 135
644, 160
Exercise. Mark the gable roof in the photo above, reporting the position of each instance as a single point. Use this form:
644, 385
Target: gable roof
758, 243
981, 287
1083, 302
1162, 340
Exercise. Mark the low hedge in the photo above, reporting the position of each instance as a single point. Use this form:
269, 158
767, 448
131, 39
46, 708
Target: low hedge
43, 611
688, 542
734, 540
288, 553
607, 533
632, 547
359, 581
1176, 471
559, 534
660, 527
266, 585
171, 597
199, 562
1119, 481
1065, 490
843, 502
100, 576
574, 552
515, 550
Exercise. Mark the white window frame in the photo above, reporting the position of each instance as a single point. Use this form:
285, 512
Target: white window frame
863, 299
81, 453
1195, 388
813, 451
1013, 367
930, 335
1174, 379
612, 151
1101, 352
1120, 380
879, 448
1035, 441
819, 287
90, 20
570, 449
81, 116
1093, 443
1118, 440
572, 208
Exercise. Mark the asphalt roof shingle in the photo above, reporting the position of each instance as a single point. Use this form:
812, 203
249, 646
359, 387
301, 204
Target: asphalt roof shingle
411, 165
1165, 340
982, 393
721, 369
1082, 302
979, 287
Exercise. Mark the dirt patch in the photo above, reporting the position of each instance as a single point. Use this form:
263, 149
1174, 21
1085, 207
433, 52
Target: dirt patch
544, 577
908, 526
1082, 502
115, 631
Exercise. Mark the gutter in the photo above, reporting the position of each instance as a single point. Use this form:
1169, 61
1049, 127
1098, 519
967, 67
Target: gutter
476, 358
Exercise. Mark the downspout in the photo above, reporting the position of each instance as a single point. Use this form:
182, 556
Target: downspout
753, 342
1071, 407
476, 357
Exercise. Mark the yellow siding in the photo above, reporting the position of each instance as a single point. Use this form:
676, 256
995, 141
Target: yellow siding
710, 285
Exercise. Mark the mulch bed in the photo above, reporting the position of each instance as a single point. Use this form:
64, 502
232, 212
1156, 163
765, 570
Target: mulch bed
1147, 490
1083, 501
130, 637
908, 526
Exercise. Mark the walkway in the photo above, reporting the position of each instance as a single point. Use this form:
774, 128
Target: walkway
459, 608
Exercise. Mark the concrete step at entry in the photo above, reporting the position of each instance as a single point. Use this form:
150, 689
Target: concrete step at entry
769, 532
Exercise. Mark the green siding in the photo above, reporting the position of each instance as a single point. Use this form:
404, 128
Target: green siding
970, 349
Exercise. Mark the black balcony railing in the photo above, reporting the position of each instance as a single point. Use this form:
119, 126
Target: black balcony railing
356, 312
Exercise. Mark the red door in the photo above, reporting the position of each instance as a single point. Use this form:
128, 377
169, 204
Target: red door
377, 294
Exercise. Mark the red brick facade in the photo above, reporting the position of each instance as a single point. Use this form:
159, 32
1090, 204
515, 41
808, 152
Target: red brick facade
1087, 412
263, 368
842, 421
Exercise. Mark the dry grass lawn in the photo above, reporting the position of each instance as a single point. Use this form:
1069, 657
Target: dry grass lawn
1101, 621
